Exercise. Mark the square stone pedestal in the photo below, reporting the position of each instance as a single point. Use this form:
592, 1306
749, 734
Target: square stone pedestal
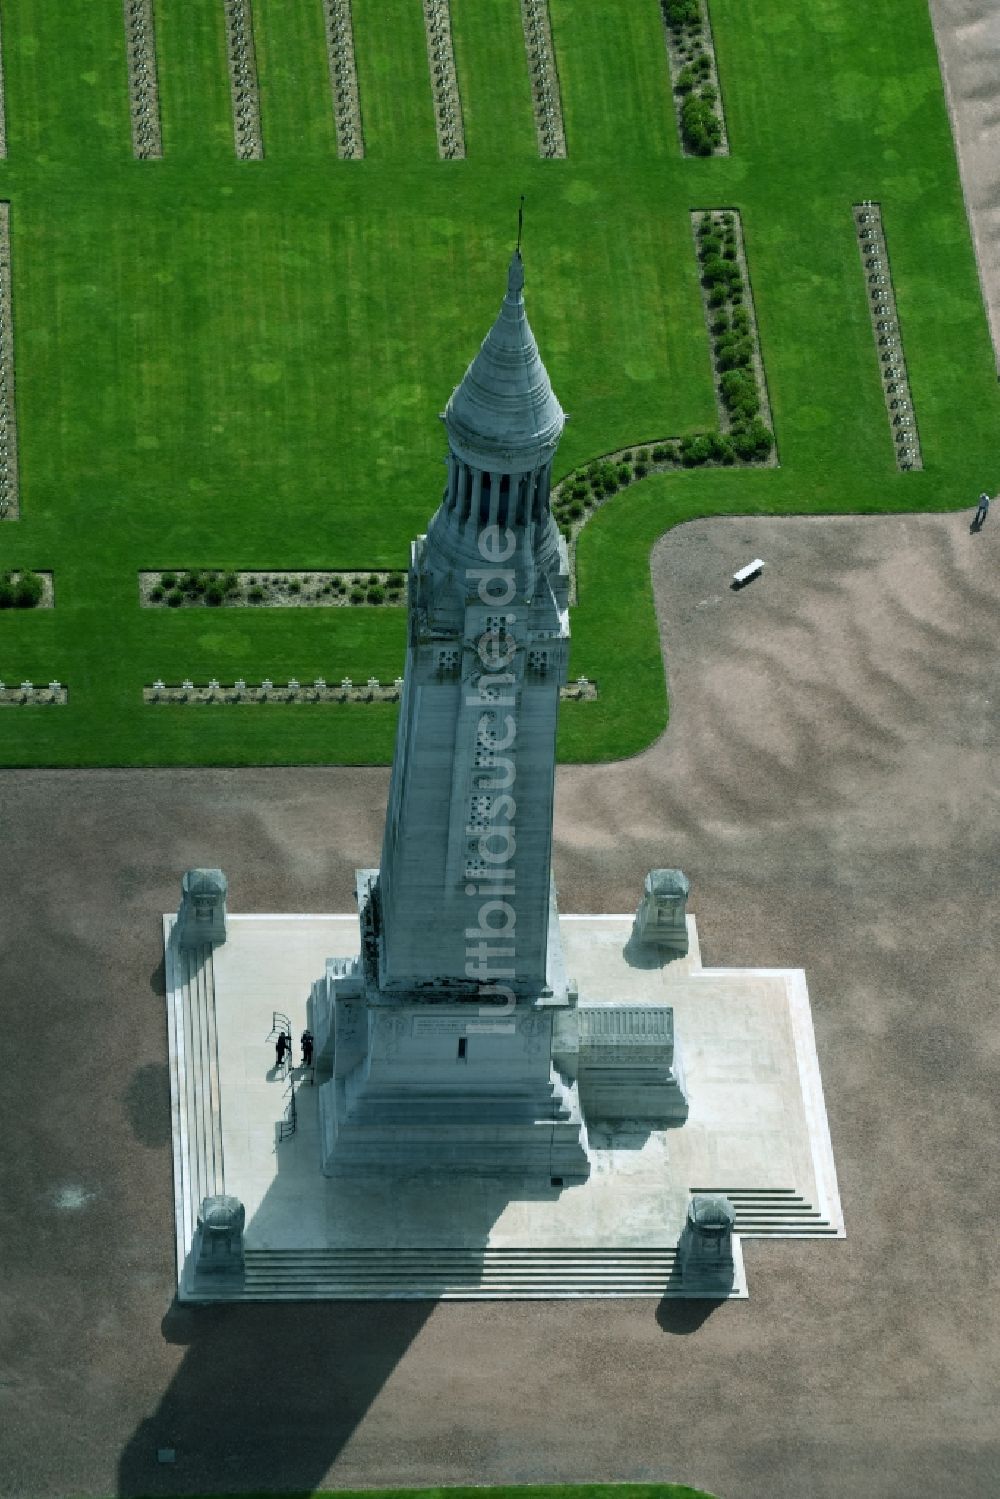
756, 1131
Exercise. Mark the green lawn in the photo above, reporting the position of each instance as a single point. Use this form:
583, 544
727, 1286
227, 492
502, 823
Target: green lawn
241, 364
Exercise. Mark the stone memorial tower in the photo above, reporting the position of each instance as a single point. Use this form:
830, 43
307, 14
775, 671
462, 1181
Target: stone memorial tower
439, 1038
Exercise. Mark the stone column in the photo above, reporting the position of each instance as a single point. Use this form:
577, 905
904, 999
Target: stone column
202, 914
705, 1251
218, 1240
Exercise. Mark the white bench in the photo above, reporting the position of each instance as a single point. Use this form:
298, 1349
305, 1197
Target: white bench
746, 573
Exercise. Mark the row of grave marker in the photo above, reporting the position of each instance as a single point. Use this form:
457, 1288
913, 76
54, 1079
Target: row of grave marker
57, 694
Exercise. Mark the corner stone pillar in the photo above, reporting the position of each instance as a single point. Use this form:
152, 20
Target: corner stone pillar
218, 1242
661, 920
202, 914
705, 1250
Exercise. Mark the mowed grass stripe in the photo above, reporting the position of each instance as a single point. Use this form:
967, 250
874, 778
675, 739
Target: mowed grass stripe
195, 97
396, 104
66, 82
294, 75
615, 84
493, 79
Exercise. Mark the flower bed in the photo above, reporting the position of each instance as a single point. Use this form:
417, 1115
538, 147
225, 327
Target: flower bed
201, 588
694, 78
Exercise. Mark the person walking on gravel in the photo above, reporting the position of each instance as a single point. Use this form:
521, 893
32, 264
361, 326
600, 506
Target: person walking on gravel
982, 512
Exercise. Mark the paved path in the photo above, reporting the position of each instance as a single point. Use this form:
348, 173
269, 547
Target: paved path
828, 781
968, 40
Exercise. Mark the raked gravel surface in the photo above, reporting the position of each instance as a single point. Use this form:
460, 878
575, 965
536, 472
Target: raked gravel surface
829, 782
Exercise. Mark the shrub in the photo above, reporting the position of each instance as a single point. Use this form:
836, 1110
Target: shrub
753, 441
376, 593
733, 352
294, 586
168, 580
718, 295
680, 13
255, 594
357, 595
714, 271
711, 244
623, 473
175, 598
700, 126
739, 392
741, 320
643, 455
192, 582
696, 450
156, 594
641, 470
394, 582
720, 324
722, 448
338, 584
686, 80
705, 225
661, 453
575, 510
213, 595
374, 580
231, 583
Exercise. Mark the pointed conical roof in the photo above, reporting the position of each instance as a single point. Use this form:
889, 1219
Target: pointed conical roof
505, 415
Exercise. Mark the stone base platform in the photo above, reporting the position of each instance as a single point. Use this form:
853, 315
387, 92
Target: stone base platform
756, 1130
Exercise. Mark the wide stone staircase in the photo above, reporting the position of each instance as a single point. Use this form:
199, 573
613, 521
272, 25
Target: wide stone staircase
198, 1158
775, 1212
459, 1274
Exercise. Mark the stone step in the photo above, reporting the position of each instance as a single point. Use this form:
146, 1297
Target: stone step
200, 1098
775, 1211
459, 1274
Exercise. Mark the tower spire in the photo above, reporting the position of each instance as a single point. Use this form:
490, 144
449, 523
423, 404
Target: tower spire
520, 225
